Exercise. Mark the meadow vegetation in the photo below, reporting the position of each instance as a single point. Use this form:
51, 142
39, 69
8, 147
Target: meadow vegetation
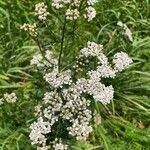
124, 123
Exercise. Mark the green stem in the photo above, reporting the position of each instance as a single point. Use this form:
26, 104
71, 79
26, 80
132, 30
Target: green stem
40, 48
62, 44
52, 33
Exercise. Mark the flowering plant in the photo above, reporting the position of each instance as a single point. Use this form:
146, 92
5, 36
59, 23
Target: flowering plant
66, 110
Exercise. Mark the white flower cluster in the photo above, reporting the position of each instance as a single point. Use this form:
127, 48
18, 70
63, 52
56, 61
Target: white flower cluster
80, 130
77, 112
10, 98
56, 79
38, 110
92, 49
90, 13
43, 148
67, 101
30, 28
71, 107
38, 131
40, 128
41, 11
121, 61
37, 60
106, 71
54, 102
91, 2
58, 3
72, 13
41, 62
126, 31
93, 86
58, 145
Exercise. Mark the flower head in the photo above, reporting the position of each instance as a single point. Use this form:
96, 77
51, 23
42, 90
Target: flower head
10, 98
41, 11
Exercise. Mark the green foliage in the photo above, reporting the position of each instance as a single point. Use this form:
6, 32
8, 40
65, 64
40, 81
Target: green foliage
124, 122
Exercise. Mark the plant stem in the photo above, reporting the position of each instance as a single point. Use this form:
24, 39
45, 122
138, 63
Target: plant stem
56, 39
62, 44
40, 48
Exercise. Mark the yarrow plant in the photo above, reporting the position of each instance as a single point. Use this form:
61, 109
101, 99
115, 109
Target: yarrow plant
66, 105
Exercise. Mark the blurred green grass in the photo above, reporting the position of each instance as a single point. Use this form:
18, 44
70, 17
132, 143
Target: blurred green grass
125, 122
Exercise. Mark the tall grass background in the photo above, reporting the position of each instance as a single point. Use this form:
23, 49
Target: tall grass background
125, 123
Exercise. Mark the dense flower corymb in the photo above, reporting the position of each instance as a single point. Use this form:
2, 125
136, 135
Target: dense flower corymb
121, 61
41, 11
30, 28
90, 13
72, 14
68, 100
10, 98
73, 11
39, 129
56, 79
58, 145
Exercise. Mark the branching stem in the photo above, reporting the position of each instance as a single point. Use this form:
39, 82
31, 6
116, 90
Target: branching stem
62, 44
40, 48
